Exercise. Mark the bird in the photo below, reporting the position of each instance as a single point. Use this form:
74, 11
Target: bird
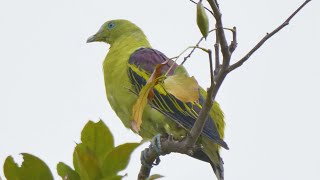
127, 67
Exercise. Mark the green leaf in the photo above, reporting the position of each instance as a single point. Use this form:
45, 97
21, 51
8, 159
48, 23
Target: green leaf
32, 168
155, 176
66, 172
146, 93
11, 169
98, 138
118, 159
86, 163
115, 177
140, 104
202, 20
184, 88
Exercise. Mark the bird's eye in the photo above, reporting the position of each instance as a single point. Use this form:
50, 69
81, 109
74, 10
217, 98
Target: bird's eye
111, 25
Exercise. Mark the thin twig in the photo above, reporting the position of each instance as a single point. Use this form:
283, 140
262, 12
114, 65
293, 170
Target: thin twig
217, 57
204, 7
198, 43
191, 52
234, 42
177, 57
265, 38
211, 66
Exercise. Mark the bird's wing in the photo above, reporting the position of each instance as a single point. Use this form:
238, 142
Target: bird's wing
141, 65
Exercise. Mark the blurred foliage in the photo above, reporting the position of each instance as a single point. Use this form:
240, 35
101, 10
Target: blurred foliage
32, 168
95, 157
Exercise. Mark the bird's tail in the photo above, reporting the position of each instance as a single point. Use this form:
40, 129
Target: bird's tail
211, 150
212, 157
218, 169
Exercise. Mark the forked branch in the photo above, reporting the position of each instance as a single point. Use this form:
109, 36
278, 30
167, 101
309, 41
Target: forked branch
222, 69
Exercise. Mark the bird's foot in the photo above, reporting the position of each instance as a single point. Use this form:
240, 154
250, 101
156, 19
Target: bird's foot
156, 144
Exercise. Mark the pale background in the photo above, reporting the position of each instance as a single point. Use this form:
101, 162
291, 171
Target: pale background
52, 84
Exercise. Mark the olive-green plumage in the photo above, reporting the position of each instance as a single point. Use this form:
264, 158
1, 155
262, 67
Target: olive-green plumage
125, 38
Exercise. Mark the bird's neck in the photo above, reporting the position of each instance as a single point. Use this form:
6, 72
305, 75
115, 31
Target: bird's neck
115, 68
120, 52
130, 42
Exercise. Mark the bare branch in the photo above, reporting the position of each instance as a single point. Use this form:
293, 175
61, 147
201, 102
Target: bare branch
197, 128
168, 145
265, 38
217, 57
220, 31
188, 145
211, 66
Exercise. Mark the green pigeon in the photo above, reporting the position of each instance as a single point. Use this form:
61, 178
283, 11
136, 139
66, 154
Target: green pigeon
127, 67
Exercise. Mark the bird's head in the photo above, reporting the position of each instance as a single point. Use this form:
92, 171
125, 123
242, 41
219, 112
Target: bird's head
112, 30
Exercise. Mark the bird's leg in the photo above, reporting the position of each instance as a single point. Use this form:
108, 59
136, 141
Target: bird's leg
156, 146
156, 143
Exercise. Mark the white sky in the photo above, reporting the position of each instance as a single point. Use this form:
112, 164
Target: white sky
52, 82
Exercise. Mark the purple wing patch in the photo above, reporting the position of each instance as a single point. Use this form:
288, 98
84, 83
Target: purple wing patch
147, 59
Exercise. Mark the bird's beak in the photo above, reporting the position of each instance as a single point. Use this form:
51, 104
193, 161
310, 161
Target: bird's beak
92, 38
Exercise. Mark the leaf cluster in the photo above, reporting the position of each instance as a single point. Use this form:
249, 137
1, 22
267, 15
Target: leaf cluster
95, 158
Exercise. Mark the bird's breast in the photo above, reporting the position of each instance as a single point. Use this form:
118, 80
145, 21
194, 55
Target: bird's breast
118, 85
